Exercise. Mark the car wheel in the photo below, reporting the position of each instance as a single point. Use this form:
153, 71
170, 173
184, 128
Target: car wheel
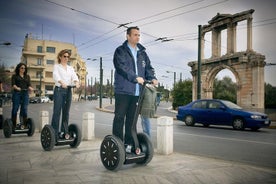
238, 124
189, 120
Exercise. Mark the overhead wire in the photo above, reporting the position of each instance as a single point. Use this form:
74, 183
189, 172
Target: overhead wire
123, 25
167, 11
145, 18
202, 7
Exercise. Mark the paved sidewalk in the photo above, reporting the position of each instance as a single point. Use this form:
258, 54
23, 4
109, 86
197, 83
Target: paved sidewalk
22, 160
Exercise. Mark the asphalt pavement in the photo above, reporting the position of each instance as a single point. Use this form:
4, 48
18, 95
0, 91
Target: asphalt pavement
23, 160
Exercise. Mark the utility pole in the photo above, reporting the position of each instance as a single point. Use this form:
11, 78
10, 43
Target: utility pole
111, 87
174, 79
91, 86
199, 64
40, 78
101, 82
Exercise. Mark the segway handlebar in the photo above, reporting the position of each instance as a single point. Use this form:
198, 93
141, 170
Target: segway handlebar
148, 82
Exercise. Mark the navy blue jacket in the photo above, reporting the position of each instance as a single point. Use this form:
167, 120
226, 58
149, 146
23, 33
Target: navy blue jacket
125, 74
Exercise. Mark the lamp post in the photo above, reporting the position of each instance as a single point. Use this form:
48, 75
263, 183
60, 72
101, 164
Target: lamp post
5, 43
174, 77
101, 81
91, 86
111, 87
85, 84
40, 78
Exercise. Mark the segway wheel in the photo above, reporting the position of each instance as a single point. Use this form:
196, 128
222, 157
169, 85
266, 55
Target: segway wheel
146, 147
112, 153
47, 138
31, 127
75, 133
7, 128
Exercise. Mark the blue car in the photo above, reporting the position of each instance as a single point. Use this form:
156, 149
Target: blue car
221, 112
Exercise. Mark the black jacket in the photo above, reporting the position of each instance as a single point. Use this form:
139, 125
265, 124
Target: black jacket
125, 74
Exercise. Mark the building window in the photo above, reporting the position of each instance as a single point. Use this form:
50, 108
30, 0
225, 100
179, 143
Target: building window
50, 62
39, 61
51, 49
49, 88
39, 49
39, 74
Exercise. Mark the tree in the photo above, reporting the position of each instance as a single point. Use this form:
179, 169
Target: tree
225, 89
182, 93
270, 96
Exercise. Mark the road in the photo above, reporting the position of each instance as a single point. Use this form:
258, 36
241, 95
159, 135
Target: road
255, 148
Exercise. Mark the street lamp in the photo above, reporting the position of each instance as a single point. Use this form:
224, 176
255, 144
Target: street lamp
40, 78
101, 80
6, 43
174, 77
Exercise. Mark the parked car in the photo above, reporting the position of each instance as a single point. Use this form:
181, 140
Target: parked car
221, 112
92, 97
35, 100
45, 99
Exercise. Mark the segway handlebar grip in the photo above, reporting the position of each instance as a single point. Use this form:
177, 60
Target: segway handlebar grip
148, 82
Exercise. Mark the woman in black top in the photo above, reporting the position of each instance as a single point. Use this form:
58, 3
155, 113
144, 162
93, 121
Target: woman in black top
21, 84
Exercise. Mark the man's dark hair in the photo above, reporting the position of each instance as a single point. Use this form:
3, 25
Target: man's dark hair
130, 28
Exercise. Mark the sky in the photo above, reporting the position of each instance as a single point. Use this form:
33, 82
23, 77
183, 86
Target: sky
93, 26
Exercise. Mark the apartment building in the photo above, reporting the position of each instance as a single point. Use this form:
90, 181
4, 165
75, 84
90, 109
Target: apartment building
40, 57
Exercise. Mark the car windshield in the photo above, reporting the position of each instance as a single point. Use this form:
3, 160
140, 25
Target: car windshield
231, 105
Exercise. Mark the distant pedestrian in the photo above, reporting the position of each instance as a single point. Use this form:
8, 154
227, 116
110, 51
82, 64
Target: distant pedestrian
1, 86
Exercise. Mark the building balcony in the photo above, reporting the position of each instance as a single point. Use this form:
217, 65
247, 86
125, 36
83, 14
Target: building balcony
34, 53
36, 79
30, 66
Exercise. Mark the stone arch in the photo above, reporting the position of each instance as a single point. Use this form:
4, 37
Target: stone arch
247, 66
211, 75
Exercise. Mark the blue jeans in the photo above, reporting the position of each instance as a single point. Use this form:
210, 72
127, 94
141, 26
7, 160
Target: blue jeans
20, 98
146, 125
62, 103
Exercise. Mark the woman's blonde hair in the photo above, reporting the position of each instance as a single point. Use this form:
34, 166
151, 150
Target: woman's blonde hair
61, 53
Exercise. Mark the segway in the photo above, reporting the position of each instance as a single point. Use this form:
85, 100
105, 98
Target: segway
113, 153
20, 128
49, 140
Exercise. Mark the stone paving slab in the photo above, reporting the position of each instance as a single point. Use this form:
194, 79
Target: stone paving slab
22, 160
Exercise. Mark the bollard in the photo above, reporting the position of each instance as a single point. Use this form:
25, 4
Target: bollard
88, 125
165, 135
44, 119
